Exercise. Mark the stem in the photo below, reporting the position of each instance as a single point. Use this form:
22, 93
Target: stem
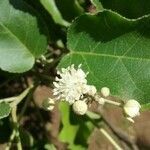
105, 133
11, 140
20, 97
9, 99
15, 132
16, 127
118, 132
112, 102
25, 104
16, 99
14, 102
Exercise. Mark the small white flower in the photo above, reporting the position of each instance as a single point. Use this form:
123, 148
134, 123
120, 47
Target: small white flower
105, 91
80, 107
131, 108
72, 84
48, 104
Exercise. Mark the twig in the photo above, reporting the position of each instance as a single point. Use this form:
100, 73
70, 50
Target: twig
104, 132
112, 102
11, 140
20, 97
15, 132
112, 141
16, 127
119, 133
16, 99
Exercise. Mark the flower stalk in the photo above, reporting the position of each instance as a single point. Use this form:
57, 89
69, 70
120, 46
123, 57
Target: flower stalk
112, 102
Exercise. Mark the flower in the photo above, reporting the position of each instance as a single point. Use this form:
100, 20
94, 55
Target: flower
131, 108
72, 84
80, 107
105, 91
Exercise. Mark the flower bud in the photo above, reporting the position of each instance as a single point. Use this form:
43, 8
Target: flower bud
80, 107
91, 90
100, 100
131, 108
48, 104
105, 91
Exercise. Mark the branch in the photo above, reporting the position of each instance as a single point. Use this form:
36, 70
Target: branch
119, 133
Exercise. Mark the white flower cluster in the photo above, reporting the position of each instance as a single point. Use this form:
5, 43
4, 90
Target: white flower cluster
72, 84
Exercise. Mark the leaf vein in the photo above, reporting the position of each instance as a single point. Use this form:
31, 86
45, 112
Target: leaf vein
109, 55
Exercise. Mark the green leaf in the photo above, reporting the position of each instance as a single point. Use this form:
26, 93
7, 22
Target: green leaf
21, 40
84, 133
51, 7
4, 110
115, 51
68, 130
128, 8
73, 128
